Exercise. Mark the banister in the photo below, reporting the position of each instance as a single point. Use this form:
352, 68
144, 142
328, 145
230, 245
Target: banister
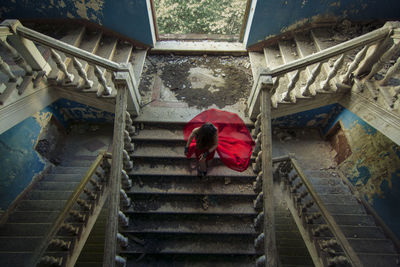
347, 248
5, 31
69, 49
71, 201
330, 52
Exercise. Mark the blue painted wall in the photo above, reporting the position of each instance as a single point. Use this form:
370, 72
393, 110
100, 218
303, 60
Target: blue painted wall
128, 17
271, 17
373, 168
19, 161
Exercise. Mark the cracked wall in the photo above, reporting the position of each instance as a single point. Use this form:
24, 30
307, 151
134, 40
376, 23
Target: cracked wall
127, 17
272, 17
373, 167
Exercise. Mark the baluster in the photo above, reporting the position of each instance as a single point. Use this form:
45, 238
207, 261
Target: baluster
393, 69
299, 197
17, 57
275, 97
119, 261
286, 167
128, 118
101, 176
122, 240
332, 73
305, 207
320, 228
51, 261
328, 243
294, 189
59, 243
310, 218
291, 94
260, 262
337, 260
125, 181
259, 242
126, 160
105, 164
353, 66
61, 66
124, 199
257, 126
77, 215
97, 186
257, 147
90, 194
84, 204
70, 228
127, 138
306, 90
104, 89
257, 185
292, 178
122, 219
258, 202
131, 130
385, 57
82, 73
259, 221
257, 166
5, 68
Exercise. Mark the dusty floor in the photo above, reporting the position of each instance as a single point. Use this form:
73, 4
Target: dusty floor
189, 85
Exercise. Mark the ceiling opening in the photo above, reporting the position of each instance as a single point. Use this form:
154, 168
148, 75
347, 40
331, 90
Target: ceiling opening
200, 19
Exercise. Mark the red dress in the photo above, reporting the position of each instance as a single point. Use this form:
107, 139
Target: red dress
235, 144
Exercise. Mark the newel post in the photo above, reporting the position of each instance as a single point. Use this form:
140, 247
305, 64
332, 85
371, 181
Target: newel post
110, 246
267, 185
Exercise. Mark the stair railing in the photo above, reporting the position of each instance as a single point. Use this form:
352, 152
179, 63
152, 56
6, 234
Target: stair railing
62, 244
372, 49
313, 226
27, 56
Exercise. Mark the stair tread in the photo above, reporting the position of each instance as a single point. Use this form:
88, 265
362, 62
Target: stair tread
123, 52
138, 59
160, 135
15, 258
143, 169
24, 229
257, 61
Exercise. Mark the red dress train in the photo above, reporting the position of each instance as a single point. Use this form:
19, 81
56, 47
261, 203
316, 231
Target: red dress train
235, 144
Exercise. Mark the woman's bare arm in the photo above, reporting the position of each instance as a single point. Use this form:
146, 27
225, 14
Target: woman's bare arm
189, 141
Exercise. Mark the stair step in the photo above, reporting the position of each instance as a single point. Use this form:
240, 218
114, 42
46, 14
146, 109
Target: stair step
190, 186
56, 186
19, 244
328, 189
192, 204
379, 260
15, 258
41, 205
183, 169
63, 177
33, 217
341, 209
49, 195
24, 229
138, 59
338, 199
257, 61
192, 244
200, 224
123, 52
164, 135
289, 261
372, 245
352, 219
70, 170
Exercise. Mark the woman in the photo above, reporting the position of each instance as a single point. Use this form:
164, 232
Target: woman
206, 138
222, 131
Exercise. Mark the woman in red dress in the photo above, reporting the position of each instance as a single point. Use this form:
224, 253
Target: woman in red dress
226, 133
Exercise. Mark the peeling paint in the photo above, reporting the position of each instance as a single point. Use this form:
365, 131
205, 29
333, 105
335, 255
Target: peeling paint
42, 118
313, 19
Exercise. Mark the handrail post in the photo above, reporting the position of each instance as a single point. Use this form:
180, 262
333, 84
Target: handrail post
26, 48
110, 245
267, 185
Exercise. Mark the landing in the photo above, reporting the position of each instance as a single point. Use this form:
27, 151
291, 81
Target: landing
176, 88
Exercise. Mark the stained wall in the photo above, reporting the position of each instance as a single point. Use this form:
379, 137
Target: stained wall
127, 17
272, 17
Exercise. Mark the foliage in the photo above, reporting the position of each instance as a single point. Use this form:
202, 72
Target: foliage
200, 16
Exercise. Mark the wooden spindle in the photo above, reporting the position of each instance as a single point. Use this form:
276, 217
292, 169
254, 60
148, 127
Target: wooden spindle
294, 189
310, 218
124, 199
77, 215
122, 240
257, 185
337, 260
104, 89
5, 68
299, 197
291, 93
385, 57
257, 165
61, 66
354, 64
257, 147
128, 119
126, 160
96, 184
122, 219
393, 69
120, 261
306, 90
70, 228
305, 207
131, 130
59, 243
51, 261
259, 242
257, 126
259, 202
275, 97
16, 56
259, 221
126, 182
260, 262
332, 73
90, 194
84, 204
328, 243
82, 73
320, 228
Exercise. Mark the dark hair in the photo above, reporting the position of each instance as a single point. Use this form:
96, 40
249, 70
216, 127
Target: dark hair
205, 136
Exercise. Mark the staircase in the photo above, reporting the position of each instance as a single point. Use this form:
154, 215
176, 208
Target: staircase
178, 218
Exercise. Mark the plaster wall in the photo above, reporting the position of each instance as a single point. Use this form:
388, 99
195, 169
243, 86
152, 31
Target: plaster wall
272, 17
127, 17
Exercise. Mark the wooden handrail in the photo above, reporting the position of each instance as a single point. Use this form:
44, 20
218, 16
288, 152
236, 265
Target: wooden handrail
330, 52
333, 226
63, 214
70, 50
